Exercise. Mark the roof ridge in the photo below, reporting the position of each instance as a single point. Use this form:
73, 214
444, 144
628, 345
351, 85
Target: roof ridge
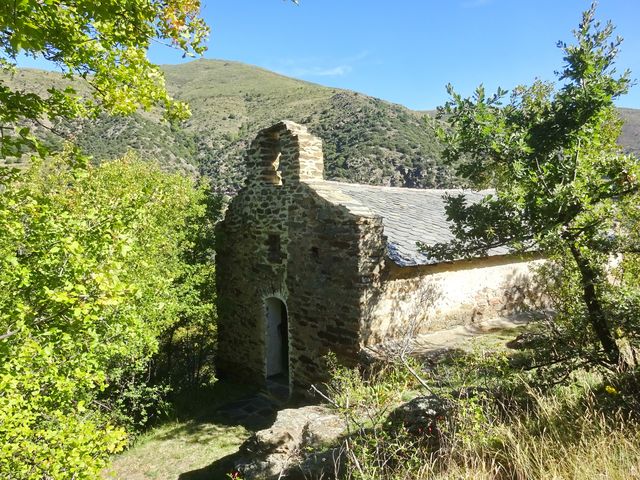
406, 189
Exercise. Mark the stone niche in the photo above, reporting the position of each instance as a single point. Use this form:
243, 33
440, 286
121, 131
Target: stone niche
307, 266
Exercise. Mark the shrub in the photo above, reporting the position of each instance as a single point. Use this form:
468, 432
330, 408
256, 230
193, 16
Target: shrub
496, 430
92, 272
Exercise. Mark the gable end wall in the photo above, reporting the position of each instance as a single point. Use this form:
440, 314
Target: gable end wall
330, 253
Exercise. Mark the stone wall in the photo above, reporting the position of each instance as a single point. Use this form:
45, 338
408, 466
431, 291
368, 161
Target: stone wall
421, 299
319, 269
325, 284
251, 257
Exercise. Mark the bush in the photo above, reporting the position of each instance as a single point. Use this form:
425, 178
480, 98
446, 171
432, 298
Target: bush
496, 430
93, 270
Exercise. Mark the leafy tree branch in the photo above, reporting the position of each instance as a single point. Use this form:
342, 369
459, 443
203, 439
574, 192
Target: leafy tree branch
562, 184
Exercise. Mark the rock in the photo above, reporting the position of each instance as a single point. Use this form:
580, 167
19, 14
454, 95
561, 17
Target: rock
323, 430
422, 414
288, 449
527, 340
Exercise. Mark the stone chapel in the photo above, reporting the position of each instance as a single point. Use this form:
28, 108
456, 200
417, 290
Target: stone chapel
307, 266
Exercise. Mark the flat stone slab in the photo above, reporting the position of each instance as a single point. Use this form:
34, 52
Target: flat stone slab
284, 449
258, 410
254, 412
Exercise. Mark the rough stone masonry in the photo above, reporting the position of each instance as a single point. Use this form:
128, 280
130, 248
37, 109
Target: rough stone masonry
307, 266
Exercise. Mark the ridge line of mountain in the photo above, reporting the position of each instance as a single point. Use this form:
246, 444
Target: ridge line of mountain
366, 139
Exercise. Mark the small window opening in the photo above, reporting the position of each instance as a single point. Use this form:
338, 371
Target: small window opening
277, 168
315, 253
274, 248
272, 159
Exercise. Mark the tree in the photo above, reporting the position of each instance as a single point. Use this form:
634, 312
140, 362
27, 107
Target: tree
103, 43
96, 263
562, 184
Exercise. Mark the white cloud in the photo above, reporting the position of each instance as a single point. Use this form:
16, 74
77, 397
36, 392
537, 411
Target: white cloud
337, 71
318, 67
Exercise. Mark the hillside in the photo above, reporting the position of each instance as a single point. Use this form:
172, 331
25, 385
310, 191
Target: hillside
366, 140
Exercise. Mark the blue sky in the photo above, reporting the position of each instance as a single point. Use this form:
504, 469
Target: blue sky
407, 51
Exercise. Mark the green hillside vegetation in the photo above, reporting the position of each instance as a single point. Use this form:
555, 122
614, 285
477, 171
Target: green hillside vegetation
112, 136
366, 140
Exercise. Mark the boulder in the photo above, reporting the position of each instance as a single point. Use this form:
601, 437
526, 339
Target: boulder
289, 448
422, 414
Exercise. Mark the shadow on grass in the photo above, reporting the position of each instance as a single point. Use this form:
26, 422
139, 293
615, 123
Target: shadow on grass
218, 470
253, 411
201, 436
202, 403
212, 410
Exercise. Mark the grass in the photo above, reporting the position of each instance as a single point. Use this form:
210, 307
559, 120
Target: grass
505, 429
563, 435
584, 430
177, 450
191, 445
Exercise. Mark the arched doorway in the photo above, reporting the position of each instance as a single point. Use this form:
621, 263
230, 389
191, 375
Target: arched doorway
277, 338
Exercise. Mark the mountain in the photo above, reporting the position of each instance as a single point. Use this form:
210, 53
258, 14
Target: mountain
366, 140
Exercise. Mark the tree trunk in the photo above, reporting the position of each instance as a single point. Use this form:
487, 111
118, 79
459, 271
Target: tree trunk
169, 352
597, 318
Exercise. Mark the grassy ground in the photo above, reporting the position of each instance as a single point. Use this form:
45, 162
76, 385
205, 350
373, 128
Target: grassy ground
572, 432
181, 450
190, 446
502, 425
196, 445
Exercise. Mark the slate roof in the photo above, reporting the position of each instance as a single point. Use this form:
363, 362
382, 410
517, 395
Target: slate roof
409, 215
